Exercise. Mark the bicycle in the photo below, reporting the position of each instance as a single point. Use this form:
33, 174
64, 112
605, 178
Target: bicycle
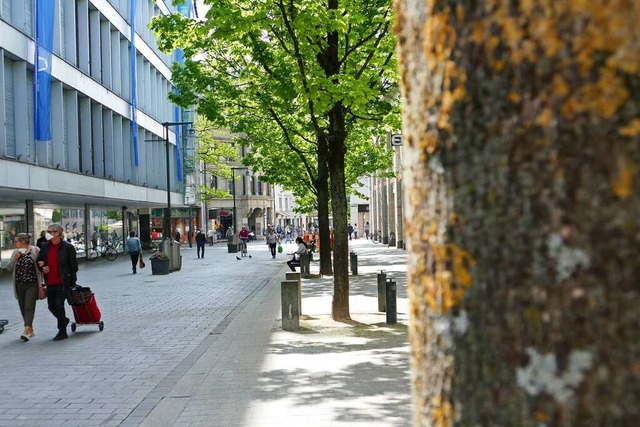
376, 237
105, 250
149, 247
243, 246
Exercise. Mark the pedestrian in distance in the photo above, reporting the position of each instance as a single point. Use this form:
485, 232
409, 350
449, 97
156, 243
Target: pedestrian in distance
154, 235
57, 260
27, 280
350, 230
41, 240
177, 236
367, 229
272, 242
355, 231
301, 249
133, 247
201, 240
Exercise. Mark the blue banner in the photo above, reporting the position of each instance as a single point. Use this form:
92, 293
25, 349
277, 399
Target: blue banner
134, 79
42, 82
184, 9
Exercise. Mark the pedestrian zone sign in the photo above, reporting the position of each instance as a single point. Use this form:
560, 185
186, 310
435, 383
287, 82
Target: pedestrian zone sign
396, 140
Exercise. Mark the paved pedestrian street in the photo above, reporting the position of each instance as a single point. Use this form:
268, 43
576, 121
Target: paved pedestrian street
204, 347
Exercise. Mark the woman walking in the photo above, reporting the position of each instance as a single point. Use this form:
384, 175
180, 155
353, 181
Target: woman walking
133, 248
27, 280
272, 241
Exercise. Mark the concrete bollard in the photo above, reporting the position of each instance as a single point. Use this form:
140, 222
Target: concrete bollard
290, 289
382, 280
305, 272
392, 307
353, 260
296, 277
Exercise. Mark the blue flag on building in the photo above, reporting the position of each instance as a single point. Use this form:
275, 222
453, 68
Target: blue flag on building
42, 61
184, 9
134, 89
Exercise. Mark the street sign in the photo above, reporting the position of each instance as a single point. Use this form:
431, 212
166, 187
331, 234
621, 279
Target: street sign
396, 140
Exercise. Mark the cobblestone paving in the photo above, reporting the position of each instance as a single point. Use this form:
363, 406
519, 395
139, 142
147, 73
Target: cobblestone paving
156, 328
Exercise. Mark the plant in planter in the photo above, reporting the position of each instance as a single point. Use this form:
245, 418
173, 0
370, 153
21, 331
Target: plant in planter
159, 263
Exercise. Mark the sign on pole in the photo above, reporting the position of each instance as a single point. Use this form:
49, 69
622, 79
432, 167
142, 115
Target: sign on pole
396, 140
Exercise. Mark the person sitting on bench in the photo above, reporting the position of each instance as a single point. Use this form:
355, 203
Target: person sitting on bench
302, 249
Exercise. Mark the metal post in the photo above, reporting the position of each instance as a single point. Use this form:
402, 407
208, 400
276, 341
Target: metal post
167, 214
353, 260
392, 315
382, 280
233, 187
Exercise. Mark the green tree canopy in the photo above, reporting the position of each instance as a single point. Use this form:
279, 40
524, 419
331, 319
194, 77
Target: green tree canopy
310, 83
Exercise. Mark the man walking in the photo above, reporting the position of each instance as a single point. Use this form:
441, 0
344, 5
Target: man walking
201, 240
57, 260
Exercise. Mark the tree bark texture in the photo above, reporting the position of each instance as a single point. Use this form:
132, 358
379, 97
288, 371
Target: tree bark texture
521, 123
322, 187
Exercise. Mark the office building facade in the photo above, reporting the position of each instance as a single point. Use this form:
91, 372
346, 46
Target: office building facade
87, 173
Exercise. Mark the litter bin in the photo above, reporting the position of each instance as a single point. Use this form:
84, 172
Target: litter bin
176, 257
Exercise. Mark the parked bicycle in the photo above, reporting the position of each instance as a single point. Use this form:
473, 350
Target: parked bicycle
105, 250
376, 237
149, 247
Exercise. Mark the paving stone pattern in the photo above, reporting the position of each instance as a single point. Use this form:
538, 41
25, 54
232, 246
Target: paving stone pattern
204, 347
154, 326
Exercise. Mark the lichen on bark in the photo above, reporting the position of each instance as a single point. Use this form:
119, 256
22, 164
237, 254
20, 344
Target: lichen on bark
521, 122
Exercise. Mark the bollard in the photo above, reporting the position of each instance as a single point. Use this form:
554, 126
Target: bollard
382, 280
304, 266
353, 260
290, 289
392, 315
296, 277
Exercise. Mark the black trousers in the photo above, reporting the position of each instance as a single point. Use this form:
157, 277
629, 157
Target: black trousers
272, 248
56, 295
200, 248
134, 259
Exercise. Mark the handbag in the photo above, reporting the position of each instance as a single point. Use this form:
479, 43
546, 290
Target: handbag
42, 292
141, 263
279, 249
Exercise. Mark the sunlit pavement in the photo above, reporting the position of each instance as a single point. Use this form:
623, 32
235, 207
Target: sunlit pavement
204, 346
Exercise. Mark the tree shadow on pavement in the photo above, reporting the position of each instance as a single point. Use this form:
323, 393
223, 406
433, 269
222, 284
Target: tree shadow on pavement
362, 372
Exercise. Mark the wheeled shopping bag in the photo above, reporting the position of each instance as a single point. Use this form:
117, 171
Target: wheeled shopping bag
85, 308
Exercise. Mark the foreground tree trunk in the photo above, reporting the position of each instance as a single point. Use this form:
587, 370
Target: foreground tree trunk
521, 123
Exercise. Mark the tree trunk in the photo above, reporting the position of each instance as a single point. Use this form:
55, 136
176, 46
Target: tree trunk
322, 187
340, 305
522, 204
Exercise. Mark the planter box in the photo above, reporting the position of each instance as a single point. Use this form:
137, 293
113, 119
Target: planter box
159, 266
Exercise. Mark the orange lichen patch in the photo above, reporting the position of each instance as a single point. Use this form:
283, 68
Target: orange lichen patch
514, 97
602, 98
541, 416
631, 129
622, 184
442, 412
451, 278
544, 118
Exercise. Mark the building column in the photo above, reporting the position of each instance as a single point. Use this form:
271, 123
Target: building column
30, 219
399, 198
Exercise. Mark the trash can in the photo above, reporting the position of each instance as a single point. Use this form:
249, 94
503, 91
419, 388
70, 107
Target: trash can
176, 257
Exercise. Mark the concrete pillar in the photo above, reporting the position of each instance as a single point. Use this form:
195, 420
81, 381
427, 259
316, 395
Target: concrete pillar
399, 205
296, 276
304, 266
290, 289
